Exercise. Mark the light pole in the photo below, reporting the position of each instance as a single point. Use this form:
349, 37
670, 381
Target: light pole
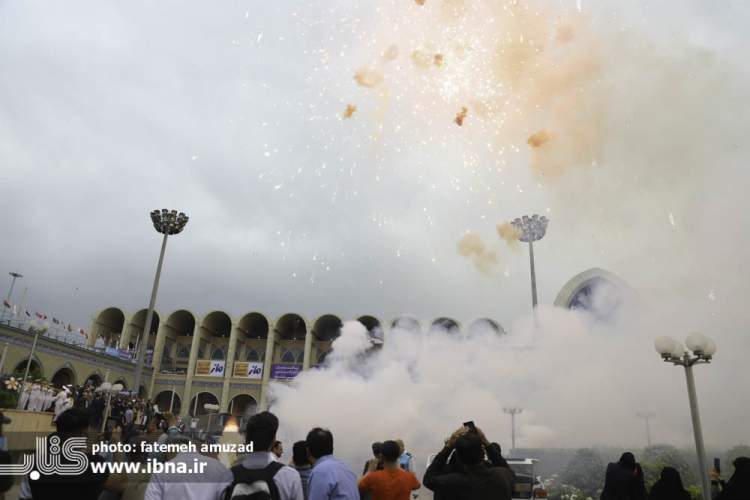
37, 328
531, 229
12, 283
10, 292
167, 223
108, 389
512, 411
646, 416
674, 352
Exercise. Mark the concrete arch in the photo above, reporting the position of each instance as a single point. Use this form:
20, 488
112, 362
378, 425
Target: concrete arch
202, 399
36, 364
181, 322
374, 328
95, 379
291, 327
406, 322
65, 375
134, 328
107, 322
327, 327
163, 400
597, 291
254, 325
217, 324
255, 355
484, 326
448, 325
242, 405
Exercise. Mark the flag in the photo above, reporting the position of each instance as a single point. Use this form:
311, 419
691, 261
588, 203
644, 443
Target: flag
55, 321
40, 316
70, 328
80, 330
27, 313
44, 316
6, 304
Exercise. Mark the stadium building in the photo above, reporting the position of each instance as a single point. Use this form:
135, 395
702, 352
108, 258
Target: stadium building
229, 361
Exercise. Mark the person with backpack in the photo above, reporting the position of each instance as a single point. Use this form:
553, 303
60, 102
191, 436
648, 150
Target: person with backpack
260, 476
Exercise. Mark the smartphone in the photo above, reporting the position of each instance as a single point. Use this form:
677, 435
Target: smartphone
717, 465
470, 426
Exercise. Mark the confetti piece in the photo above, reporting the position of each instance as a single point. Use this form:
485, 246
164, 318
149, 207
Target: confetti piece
460, 117
538, 139
438, 60
419, 2
349, 111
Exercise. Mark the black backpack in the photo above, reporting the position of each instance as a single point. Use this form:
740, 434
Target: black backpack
254, 484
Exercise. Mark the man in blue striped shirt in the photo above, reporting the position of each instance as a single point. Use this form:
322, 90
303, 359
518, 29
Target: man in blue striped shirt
330, 479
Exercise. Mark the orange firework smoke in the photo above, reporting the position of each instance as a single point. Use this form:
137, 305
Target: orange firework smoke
472, 247
368, 77
539, 139
509, 233
421, 59
349, 111
461, 116
390, 54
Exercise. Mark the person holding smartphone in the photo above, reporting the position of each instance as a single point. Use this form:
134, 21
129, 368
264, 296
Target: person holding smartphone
471, 477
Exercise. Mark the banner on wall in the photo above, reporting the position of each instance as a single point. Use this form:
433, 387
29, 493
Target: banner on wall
209, 367
285, 370
248, 369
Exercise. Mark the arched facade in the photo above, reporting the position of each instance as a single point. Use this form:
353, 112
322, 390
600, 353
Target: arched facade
198, 401
596, 291
447, 325
64, 375
166, 399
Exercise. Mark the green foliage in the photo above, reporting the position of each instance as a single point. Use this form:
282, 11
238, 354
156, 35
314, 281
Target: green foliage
741, 450
8, 399
658, 456
585, 471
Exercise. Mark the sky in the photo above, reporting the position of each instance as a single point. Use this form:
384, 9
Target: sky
233, 113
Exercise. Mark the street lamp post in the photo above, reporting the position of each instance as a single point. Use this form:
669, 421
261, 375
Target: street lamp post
167, 223
674, 352
512, 411
646, 416
531, 229
108, 389
37, 328
10, 292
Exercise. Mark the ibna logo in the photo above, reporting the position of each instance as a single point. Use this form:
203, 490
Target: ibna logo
48, 458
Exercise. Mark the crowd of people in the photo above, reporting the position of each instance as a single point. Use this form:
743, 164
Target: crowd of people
468, 467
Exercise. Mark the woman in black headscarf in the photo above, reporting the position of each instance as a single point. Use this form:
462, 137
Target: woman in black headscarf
624, 480
738, 486
669, 486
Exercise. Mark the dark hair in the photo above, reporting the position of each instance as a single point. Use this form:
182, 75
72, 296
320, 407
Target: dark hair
261, 430
299, 454
319, 442
377, 448
469, 449
72, 421
627, 459
390, 451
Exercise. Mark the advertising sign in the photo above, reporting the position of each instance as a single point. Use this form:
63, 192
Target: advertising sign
285, 370
209, 367
248, 369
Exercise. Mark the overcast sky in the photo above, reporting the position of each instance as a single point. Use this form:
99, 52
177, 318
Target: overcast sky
230, 112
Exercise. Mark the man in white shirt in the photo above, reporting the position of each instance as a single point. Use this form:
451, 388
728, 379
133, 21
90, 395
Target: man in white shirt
261, 431
213, 477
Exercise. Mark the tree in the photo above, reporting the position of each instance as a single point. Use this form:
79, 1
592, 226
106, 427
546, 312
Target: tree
585, 471
741, 450
658, 456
